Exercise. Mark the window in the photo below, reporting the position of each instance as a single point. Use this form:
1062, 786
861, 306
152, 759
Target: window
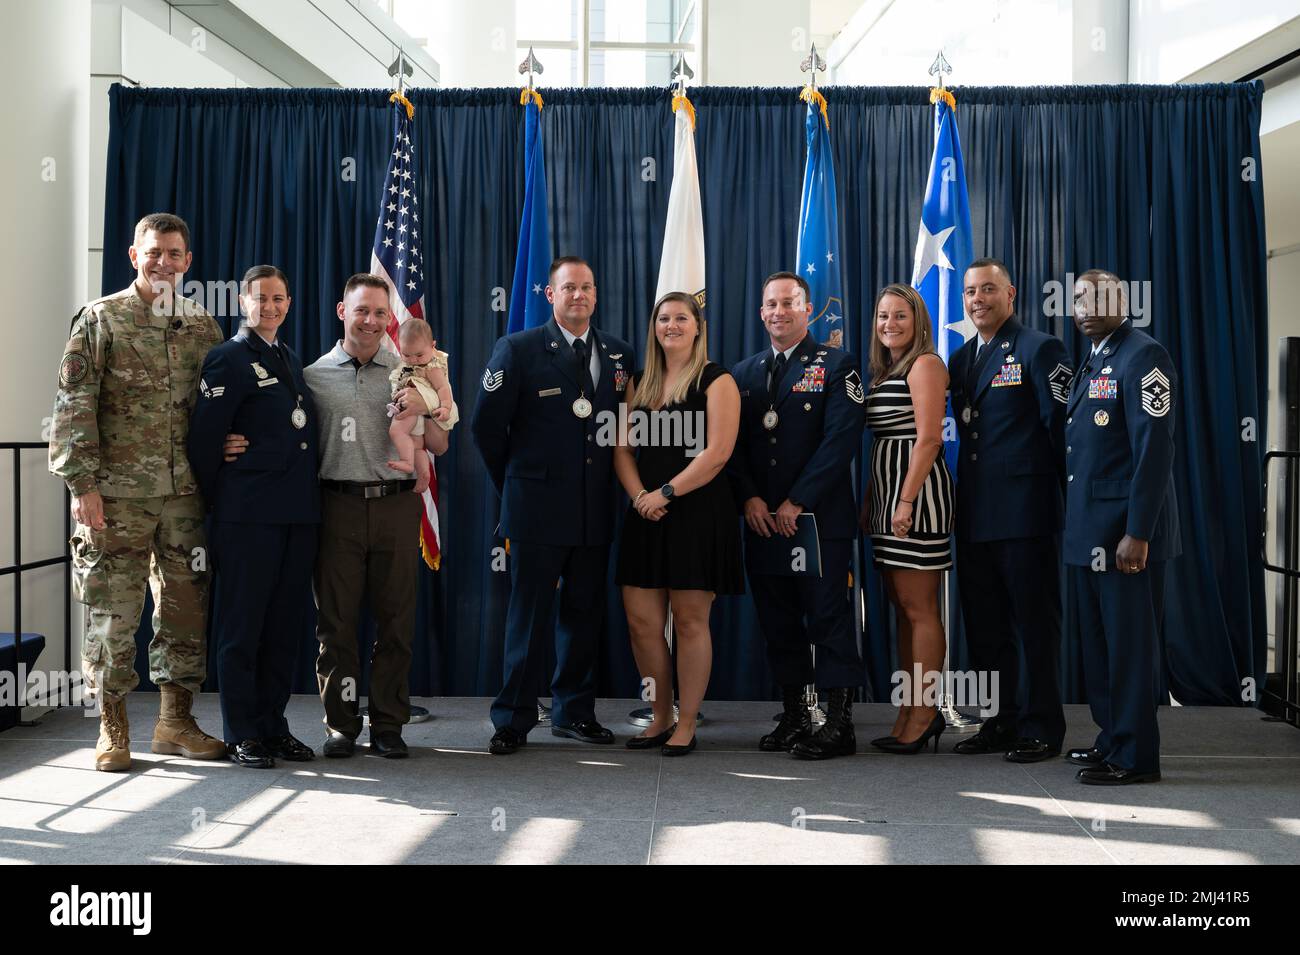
611, 42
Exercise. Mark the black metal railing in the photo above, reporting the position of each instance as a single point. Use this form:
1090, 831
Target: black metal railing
18, 567
1280, 695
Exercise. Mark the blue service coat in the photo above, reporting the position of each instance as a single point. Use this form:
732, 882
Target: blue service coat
244, 389
807, 456
552, 469
1010, 414
1119, 435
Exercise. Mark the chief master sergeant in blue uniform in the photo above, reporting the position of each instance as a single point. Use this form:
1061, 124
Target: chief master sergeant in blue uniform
1121, 527
1009, 388
265, 518
801, 420
545, 394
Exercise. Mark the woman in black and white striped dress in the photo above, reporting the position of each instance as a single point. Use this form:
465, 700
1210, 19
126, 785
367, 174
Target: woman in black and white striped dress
908, 511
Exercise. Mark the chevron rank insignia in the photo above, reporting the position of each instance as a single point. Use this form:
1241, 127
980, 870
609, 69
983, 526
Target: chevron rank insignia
492, 380
853, 385
1157, 398
1058, 379
214, 391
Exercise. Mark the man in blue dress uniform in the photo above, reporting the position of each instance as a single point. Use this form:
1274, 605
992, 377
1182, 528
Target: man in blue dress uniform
801, 420
544, 396
265, 518
1121, 526
1009, 388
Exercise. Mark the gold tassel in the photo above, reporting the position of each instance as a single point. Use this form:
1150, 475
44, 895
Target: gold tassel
397, 97
939, 93
681, 100
526, 94
811, 96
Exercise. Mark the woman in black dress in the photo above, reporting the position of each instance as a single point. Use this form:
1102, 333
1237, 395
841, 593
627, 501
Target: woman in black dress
681, 539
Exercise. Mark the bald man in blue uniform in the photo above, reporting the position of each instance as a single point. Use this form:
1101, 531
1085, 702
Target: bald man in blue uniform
1121, 527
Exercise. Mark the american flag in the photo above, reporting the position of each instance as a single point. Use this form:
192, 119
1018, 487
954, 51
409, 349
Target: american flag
397, 257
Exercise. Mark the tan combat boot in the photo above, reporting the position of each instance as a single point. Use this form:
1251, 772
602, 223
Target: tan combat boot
176, 733
113, 750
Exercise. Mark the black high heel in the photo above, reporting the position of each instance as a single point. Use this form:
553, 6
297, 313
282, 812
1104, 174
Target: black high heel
934, 730
880, 742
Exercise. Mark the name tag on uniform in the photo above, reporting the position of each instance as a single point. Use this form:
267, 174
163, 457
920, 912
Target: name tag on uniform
1009, 375
268, 381
813, 380
547, 392
1103, 388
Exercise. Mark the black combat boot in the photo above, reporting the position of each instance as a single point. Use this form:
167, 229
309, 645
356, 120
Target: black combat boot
836, 737
795, 725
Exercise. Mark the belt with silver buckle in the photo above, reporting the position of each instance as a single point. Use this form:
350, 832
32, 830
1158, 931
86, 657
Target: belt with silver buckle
368, 490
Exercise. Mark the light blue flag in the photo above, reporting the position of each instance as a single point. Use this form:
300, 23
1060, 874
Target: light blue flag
943, 247
818, 251
528, 305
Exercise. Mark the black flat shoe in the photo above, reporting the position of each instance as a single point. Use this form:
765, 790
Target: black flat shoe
1031, 751
650, 742
337, 745
388, 744
250, 753
588, 731
670, 750
1108, 775
933, 731
505, 741
289, 749
1086, 758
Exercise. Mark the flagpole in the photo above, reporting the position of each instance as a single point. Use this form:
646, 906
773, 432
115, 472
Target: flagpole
954, 719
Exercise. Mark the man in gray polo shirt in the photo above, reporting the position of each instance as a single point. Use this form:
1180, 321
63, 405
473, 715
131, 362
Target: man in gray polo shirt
370, 528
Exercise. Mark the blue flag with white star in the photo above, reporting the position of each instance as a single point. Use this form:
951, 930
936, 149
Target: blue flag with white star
528, 305
818, 250
943, 242
943, 249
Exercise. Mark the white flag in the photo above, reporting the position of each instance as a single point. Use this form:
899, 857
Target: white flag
681, 269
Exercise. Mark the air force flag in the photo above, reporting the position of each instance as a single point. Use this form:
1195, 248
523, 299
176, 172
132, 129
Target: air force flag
528, 305
819, 235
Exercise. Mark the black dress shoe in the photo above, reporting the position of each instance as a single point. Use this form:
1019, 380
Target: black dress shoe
982, 743
588, 731
338, 745
1108, 775
880, 742
505, 741
1031, 751
289, 749
388, 744
250, 753
670, 750
1091, 756
650, 742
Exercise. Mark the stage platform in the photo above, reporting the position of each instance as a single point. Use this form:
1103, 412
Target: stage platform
1230, 794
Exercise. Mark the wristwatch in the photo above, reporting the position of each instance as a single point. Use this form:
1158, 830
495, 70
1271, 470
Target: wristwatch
667, 491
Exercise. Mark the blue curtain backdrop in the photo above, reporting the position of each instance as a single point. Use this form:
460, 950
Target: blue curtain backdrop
1160, 184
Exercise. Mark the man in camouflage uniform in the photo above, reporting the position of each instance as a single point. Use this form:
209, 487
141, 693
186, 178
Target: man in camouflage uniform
127, 383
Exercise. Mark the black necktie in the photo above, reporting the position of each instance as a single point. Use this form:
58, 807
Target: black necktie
584, 367
973, 375
778, 372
